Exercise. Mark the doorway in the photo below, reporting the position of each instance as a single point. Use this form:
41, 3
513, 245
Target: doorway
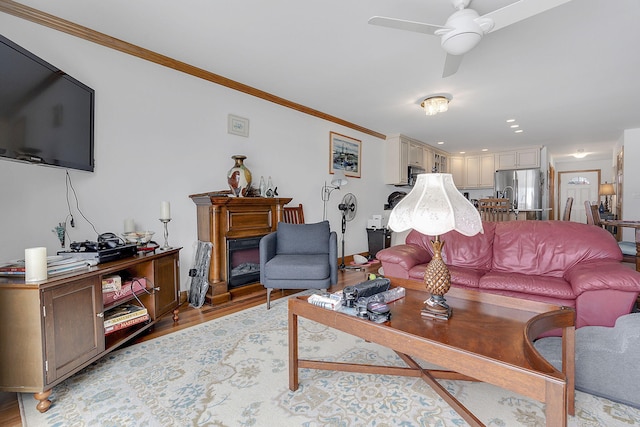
582, 185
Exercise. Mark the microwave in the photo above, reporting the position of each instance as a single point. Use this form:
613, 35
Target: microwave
412, 176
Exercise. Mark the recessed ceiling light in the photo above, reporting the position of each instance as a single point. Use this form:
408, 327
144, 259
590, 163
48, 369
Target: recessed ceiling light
440, 142
462, 152
511, 120
515, 126
519, 131
485, 149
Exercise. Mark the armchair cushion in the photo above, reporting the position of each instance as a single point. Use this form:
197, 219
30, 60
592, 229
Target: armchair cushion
316, 240
298, 266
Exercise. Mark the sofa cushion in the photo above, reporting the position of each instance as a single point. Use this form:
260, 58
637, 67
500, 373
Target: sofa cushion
303, 238
286, 266
549, 248
555, 287
474, 252
460, 276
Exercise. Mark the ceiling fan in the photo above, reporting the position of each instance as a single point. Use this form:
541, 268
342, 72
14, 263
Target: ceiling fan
465, 27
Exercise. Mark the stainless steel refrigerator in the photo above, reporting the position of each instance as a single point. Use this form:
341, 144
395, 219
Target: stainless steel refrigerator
523, 187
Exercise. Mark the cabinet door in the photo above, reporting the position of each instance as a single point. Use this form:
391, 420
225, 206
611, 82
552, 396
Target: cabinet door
458, 171
166, 275
396, 161
506, 160
416, 156
528, 158
472, 171
73, 326
487, 171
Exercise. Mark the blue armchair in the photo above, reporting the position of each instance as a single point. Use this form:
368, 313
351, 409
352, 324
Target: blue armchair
299, 256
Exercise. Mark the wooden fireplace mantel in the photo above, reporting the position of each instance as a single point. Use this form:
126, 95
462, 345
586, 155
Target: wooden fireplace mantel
221, 218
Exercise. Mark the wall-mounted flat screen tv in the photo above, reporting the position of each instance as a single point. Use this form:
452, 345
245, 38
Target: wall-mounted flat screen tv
46, 116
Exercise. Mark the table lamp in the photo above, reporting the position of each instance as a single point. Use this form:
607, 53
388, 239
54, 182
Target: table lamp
607, 190
434, 207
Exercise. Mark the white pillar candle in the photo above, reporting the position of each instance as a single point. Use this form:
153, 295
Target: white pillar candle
35, 264
129, 225
165, 210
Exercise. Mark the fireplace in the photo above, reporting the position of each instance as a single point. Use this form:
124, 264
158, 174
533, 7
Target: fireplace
235, 225
243, 266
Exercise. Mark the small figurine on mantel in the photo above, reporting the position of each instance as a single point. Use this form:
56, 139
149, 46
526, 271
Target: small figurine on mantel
270, 190
263, 187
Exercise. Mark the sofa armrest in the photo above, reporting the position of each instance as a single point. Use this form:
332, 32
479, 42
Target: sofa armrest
268, 246
599, 275
403, 258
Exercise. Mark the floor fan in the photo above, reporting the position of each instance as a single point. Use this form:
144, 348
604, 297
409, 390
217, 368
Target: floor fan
348, 206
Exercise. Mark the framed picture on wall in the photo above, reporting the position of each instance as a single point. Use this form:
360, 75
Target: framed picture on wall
237, 125
345, 154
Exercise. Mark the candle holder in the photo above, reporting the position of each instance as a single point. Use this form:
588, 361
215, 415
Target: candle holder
165, 221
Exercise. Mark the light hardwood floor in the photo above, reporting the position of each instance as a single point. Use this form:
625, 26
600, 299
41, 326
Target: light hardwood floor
189, 316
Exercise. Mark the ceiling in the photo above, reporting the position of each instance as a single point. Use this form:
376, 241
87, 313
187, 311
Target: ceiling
569, 76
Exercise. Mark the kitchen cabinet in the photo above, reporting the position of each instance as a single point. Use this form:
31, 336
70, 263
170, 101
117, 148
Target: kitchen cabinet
396, 160
457, 166
416, 154
440, 162
52, 329
518, 159
479, 171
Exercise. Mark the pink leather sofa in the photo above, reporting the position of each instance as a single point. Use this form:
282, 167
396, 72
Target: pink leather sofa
560, 262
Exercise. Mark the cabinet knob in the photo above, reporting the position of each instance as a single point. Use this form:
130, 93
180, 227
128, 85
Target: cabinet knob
100, 314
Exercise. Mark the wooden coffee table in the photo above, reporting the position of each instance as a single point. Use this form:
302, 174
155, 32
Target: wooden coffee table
488, 338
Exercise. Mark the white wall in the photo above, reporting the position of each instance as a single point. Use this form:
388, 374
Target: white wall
162, 135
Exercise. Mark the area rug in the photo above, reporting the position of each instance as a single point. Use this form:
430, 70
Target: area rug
232, 371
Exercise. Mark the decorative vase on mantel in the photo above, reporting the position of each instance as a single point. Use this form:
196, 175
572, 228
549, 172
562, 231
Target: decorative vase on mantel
239, 177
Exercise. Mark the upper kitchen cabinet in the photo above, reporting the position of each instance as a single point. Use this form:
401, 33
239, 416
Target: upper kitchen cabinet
518, 159
479, 171
457, 167
396, 166
440, 163
416, 154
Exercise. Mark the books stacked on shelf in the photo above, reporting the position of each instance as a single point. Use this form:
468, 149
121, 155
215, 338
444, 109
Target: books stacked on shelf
55, 265
124, 316
126, 324
127, 289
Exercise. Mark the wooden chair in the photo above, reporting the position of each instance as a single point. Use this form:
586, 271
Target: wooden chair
627, 248
593, 214
567, 209
494, 210
293, 214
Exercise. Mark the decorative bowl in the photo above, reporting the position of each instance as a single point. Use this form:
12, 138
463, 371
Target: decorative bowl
138, 237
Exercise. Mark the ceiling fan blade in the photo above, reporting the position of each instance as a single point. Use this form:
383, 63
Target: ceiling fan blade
402, 24
519, 11
451, 65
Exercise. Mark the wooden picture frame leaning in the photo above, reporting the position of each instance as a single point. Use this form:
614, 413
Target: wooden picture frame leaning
345, 153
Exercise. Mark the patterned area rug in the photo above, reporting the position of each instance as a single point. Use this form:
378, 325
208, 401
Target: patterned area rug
232, 371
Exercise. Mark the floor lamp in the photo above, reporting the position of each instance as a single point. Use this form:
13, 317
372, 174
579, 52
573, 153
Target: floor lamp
434, 207
339, 180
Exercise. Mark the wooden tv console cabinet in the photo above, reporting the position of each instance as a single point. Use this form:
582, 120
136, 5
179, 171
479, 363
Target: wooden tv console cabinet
52, 329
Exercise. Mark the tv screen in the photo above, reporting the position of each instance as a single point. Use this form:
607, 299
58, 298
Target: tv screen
46, 116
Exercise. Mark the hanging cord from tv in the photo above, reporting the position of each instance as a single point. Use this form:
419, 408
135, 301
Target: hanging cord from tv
69, 185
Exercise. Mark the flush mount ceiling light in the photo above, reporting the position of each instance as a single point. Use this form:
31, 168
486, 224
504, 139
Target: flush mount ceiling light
435, 104
580, 154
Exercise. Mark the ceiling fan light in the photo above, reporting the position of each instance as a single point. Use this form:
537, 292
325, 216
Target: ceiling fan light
434, 105
459, 43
